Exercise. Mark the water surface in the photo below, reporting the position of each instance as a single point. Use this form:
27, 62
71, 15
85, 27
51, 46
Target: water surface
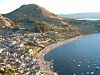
80, 57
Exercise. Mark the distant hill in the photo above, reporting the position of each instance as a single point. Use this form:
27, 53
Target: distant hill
86, 22
90, 16
27, 13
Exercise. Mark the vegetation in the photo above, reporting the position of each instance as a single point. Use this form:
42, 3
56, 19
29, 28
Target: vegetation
9, 71
43, 27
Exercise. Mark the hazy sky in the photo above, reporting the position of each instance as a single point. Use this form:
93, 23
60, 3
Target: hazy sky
55, 6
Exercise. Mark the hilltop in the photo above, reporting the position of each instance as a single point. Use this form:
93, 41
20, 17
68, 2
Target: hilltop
32, 12
31, 16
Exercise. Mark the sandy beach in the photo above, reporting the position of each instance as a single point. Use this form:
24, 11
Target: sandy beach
41, 54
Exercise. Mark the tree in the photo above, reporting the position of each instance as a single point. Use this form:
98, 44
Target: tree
43, 27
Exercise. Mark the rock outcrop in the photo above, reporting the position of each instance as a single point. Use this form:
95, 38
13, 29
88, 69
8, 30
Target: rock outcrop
5, 22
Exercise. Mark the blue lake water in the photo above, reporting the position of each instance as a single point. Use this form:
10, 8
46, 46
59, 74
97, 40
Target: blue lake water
80, 57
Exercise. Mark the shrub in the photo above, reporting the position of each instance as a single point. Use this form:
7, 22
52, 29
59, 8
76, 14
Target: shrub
43, 27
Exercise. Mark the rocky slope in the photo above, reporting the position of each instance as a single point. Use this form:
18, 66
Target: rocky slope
86, 26
5, 22
31, 12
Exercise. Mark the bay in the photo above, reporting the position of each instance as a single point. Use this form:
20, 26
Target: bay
80, 57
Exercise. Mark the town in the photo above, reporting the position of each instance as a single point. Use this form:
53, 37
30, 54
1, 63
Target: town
18, 51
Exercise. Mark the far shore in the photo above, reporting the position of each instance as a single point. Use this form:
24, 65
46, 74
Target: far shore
46, 50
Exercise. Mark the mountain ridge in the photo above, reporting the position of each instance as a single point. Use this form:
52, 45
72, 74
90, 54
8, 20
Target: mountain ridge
33, 11
87, 15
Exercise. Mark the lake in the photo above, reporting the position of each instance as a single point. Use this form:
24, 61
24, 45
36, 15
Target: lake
80, 57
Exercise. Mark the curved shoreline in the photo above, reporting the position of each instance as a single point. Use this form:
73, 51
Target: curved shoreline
42, 53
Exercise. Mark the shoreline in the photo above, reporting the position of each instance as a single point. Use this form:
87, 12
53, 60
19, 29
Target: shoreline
43, 64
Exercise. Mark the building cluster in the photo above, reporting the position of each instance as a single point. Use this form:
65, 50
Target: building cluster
12, 54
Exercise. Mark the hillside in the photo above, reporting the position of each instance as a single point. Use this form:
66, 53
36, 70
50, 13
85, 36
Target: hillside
30, 16
86, 22
27, 13
86, 26
5, 22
